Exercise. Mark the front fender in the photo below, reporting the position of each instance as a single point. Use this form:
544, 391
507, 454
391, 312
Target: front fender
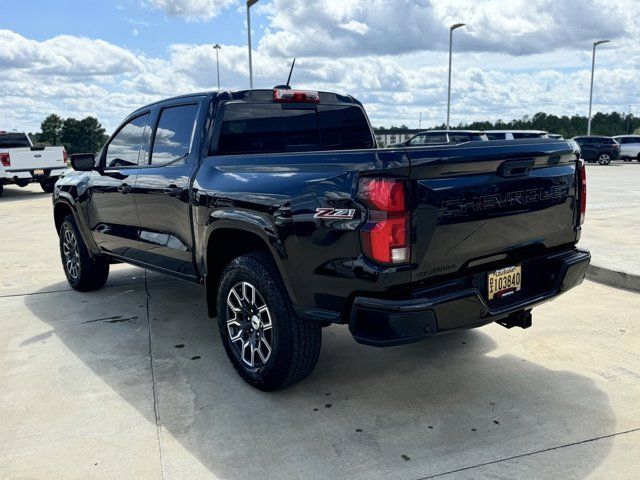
70, 190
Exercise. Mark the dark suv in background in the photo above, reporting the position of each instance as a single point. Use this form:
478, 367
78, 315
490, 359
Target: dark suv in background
598, 149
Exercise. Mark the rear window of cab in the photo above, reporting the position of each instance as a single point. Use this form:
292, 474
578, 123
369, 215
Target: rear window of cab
249, 128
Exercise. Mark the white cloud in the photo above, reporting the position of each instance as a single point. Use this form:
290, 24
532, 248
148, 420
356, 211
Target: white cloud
191, 9
512, 59
377, 27
66, 55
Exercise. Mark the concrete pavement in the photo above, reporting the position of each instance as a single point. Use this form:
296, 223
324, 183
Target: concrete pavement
132, 382
612, 227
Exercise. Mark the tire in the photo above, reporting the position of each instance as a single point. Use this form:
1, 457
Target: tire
267, 343
47, 185
1, 189
83, 272
637, 158
604, 158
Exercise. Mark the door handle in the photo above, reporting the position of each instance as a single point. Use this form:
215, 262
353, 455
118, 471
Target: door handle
124, 188
173, 191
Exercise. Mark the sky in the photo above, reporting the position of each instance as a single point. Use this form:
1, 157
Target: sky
513, 58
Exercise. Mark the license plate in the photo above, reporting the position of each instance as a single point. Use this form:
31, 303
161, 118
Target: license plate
504, 282
38, 172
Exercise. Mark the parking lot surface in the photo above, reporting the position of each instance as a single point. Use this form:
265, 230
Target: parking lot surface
132, 382
612, 228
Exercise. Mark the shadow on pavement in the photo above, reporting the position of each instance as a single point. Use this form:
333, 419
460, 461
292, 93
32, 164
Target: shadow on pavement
403, 412
13, 193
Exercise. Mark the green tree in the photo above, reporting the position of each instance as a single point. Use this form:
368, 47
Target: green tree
83, 136
51, 128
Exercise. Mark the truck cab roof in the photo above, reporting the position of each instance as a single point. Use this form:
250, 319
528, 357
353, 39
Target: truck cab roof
255, 95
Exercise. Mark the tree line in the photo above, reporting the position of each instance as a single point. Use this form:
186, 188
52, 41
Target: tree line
77, 136
88, 135
608, 124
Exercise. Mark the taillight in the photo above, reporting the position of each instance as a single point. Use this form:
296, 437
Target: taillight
64, 155
290, 96
5, 159
385, 237
583, 190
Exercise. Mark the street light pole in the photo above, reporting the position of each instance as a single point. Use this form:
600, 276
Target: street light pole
593, 64
250, 3
451, 29
217, 47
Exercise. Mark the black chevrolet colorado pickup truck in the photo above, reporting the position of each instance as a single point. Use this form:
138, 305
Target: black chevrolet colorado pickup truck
280, 205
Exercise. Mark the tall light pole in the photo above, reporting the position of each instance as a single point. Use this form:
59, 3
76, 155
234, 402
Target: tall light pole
217, 48
451, 29
593, 64
250, 3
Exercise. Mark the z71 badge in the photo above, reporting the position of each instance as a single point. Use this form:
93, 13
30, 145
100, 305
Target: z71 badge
335, 213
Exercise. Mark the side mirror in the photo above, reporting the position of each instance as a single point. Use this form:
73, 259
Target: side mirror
83, 162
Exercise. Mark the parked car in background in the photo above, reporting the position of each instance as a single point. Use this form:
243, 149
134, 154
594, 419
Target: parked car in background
441, 137
22, 163
514, 134
599, 149
279, 203
629, 146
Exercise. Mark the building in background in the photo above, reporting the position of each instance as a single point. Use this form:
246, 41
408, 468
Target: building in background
384, 137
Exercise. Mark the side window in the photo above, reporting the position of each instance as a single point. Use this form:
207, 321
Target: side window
418, 140
461, 137
436, 138
495, 136
124, 149
528, 135
173, 135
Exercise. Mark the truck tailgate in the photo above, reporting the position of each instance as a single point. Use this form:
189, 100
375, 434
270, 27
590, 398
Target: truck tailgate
483, 202
23, 159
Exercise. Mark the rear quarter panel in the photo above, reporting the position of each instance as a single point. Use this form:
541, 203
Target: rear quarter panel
277, 196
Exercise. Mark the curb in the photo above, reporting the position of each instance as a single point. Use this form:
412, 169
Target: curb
614, 278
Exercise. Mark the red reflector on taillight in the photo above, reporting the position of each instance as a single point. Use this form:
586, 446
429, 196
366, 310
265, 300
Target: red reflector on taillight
301, 96
385, 237
583, 191
386, 241
386, 195
5, 159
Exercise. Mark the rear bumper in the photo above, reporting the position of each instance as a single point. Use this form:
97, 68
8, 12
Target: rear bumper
30, 175
462, 303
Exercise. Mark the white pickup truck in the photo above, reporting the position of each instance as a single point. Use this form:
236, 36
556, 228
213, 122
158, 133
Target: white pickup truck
22, 163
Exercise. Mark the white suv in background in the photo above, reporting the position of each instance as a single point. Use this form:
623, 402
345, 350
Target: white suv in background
629, 147
515, 134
